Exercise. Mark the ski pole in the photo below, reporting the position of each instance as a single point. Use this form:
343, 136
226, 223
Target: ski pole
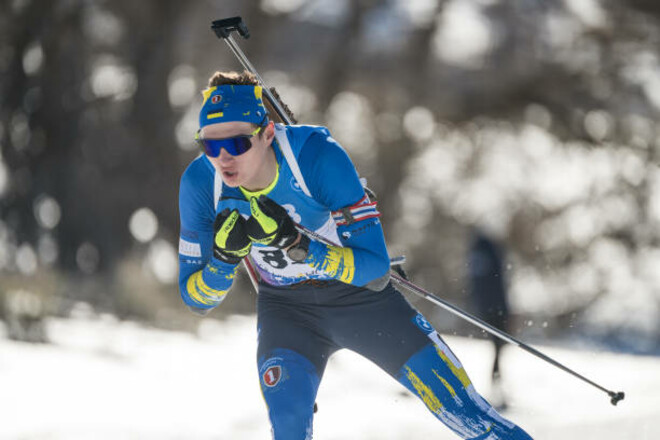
413, 288
223, 29
399, 280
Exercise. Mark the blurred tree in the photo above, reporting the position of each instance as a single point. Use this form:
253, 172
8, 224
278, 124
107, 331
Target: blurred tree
537, 117
89, 124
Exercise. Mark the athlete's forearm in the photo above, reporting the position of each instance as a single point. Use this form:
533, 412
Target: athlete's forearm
363, 258
206, 288
349, 265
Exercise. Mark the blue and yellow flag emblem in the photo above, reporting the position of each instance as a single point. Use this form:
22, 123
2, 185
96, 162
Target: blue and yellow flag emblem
228, 103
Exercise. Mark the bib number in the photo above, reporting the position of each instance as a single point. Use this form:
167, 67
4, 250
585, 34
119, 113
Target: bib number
274, 258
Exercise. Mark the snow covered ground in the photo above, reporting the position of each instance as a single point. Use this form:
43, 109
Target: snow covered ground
102, 379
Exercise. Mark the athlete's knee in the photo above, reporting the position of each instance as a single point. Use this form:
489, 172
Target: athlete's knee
289, 382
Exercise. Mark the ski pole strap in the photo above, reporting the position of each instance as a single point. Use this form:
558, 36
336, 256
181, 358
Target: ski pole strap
362, 210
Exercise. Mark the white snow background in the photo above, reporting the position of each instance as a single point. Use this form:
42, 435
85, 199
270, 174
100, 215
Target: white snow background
105, 379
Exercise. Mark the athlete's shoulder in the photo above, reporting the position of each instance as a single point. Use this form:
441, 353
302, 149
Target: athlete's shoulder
196, 190
301, 132
305, 137
315, 143
198, 172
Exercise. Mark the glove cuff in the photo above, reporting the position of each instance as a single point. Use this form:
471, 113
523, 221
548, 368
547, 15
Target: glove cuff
225, 258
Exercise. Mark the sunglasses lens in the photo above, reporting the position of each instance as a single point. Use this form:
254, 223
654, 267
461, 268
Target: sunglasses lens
241, 145
234, 146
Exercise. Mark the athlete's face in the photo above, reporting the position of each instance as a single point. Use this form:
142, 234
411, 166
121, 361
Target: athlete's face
249, 169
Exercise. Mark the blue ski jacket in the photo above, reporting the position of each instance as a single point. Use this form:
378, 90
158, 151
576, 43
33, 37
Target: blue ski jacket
324, 194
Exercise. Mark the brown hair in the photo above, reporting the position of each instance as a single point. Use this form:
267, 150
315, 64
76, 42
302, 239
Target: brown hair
246, 78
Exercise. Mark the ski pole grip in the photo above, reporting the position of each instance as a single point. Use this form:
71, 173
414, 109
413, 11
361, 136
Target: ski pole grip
225, 26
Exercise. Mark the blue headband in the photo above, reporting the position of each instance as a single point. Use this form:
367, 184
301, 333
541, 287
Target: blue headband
229, 103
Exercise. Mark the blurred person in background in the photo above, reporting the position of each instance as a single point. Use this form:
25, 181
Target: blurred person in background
241, 197
488, 294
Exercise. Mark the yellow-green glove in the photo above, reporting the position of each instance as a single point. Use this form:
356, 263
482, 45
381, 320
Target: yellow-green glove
270, 224
230, 240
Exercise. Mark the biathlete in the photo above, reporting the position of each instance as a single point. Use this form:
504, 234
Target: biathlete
241, 197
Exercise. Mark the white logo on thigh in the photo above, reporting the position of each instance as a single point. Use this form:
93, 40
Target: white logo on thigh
423, 324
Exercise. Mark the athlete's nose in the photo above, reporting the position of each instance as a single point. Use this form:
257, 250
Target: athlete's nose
224, 156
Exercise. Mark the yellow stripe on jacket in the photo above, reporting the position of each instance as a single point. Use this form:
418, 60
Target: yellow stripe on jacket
203, 293
339, 263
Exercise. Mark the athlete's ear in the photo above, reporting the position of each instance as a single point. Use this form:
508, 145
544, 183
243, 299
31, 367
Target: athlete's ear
269, 132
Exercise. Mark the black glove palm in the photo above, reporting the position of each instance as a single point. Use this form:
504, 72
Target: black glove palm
270, 224
230, 240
